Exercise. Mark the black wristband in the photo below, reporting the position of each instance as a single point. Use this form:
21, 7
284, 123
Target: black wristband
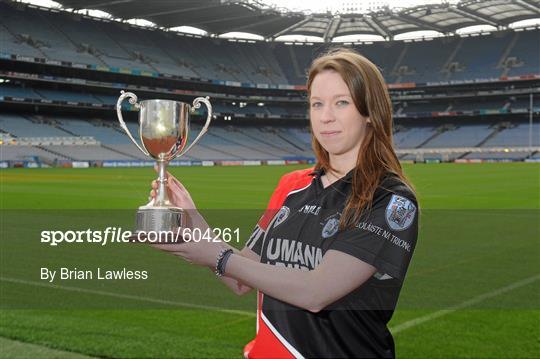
221, 261
225, 260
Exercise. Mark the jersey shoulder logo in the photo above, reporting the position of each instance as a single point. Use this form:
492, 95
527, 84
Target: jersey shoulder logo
400, 213
282, 215
331, 226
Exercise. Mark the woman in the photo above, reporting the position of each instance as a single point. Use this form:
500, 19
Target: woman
329, 256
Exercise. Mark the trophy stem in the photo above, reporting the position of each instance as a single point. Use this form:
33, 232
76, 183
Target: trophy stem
162, 198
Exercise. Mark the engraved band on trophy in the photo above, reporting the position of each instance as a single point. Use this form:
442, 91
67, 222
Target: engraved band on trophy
163, 131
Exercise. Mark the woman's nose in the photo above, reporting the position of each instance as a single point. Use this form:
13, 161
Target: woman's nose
327, 114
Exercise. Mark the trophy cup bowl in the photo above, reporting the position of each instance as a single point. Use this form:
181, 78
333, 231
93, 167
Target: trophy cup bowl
163, 130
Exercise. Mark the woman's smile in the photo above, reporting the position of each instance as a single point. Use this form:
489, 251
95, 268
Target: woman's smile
330, 133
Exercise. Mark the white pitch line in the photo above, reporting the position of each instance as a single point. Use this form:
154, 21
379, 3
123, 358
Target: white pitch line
396, 329
128, 296
468, 303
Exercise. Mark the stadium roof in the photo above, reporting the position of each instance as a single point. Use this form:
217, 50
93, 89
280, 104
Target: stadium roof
224, 16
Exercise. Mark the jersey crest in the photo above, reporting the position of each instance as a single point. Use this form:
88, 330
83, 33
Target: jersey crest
400, 213
331, 226
282, 215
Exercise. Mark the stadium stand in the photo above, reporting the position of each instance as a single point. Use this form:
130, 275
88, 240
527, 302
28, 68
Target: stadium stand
515, 135
63, 72
249, 142
463, 136
413, 137
59, 36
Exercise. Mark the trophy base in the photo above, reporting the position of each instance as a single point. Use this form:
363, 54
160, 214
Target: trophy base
164, 221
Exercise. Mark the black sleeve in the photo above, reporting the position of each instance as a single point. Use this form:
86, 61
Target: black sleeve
385, 236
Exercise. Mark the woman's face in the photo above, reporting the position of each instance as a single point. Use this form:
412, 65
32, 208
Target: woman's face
336, 123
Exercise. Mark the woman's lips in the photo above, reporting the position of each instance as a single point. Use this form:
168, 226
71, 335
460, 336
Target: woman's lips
329, 133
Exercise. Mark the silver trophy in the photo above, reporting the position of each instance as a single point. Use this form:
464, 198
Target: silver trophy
163, 130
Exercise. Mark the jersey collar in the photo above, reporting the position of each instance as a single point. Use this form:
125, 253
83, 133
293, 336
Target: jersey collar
320, 172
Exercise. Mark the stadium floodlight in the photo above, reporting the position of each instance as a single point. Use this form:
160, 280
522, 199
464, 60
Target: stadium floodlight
241, 35
141, 22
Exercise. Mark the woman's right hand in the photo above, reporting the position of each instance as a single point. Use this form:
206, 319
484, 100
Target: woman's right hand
180, 197
178, 194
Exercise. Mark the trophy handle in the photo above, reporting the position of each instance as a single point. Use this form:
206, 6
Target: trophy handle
197, 104
132, 100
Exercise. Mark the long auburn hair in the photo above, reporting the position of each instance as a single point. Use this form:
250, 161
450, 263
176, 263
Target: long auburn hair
376, 156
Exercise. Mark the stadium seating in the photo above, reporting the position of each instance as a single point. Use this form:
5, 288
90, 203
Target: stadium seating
85, 153
21, 153
14, 45
401, 108
516, 135
480, 56
66, 96
15, 91
245, 142
20, 126
523, 57
62, 36
96, 129
463, 136
39, 31
413, 67
498, 155
413, 137
220, 143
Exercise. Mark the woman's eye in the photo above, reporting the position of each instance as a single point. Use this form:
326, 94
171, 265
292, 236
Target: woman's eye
342, 103
316, 104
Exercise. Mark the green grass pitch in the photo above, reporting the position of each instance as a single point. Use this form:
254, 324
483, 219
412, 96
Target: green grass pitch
473, 288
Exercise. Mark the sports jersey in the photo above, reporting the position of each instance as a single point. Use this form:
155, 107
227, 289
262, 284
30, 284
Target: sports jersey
300, 225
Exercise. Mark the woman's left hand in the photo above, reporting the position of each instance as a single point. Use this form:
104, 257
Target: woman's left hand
203, 252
